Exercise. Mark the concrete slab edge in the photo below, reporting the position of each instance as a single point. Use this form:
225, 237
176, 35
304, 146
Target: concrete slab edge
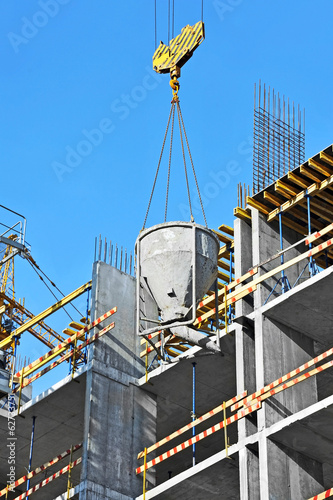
235, 448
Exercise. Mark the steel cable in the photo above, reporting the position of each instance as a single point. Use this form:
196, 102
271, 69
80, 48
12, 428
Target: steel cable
158, 166
194, 174
169, 169
183, 151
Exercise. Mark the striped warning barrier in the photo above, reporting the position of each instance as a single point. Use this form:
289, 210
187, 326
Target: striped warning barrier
62, 346
319, 234
246, 289
42, 468
198, 437
231, 298
280, 380
63, 358
321, 496
204, 417
293, 382
49, 479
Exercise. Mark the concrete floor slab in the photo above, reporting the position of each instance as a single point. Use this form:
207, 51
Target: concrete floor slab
306, 308
215, 383
59, 424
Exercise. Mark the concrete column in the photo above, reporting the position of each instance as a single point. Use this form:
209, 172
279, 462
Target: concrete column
120, 418
278, 350
245, 362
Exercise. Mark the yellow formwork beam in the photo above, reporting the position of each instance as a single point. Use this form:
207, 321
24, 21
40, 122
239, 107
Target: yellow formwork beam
226, 229
311, 190
50, 310
240, 213
256, 204
282, 186
298, 180
309, 173
319, 167
326, 158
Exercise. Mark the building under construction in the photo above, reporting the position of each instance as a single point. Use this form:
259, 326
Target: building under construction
206, 371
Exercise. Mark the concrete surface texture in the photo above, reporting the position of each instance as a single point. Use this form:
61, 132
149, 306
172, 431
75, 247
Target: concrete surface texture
168, 253
119, 416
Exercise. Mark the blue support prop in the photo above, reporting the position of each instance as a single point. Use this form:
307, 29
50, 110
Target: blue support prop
311, 262
193, 413
31, 450
285, 286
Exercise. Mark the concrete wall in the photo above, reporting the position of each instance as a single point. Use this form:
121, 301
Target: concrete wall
283, 473
120, 418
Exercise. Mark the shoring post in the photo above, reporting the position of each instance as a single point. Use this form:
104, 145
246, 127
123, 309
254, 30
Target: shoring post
225, 310
31, 450
311, 263
193, 413
217, 314
225, 429
282, 255
146, 363
69, 483
20, 392
74, 355
144, 474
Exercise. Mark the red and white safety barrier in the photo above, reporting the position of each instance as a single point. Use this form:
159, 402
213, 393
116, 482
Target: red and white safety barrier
43, 467
295, 381
319, 234
34, 365
64, 357
49, 479
321, 496
198, 437
196, 422
280, 380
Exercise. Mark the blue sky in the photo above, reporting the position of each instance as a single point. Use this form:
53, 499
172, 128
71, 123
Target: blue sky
83, 116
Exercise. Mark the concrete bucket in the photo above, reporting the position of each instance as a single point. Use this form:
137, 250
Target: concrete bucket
178, 261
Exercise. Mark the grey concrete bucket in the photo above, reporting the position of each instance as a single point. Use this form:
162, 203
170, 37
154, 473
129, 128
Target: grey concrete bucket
178, 261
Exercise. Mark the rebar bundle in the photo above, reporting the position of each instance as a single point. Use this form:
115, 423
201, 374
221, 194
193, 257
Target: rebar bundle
278, 140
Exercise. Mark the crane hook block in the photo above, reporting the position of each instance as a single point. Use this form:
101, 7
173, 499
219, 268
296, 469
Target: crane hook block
180, 48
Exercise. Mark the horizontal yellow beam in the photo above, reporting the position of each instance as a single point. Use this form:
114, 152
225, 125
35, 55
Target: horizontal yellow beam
226, 229
310, 174
320, 168
312, 190
240, 213
223, 238
286, 187
272, 199
298, 180
50, 310
326, 158
256, 204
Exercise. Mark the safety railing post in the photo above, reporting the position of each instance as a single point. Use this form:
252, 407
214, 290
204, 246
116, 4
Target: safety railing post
144, 475
31, 451
69, 480
193, 412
